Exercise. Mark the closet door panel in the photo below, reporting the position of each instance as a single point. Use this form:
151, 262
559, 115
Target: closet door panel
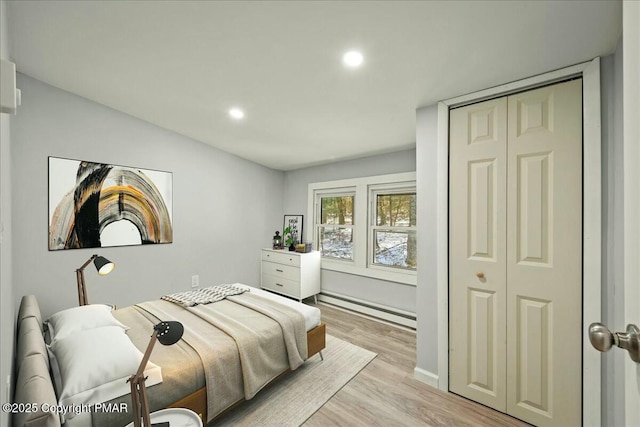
544, 255
477, 252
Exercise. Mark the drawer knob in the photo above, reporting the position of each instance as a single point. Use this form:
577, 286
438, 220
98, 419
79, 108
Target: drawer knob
278, 284
279, 271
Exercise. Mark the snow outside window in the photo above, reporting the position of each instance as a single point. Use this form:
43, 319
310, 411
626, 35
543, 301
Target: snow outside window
392, 234
335, 228
366, 226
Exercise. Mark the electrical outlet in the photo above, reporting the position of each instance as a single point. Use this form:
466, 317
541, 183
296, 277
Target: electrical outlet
195, 281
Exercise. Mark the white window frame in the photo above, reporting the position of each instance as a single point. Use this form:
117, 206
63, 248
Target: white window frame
333, 192
361, 220
386, 189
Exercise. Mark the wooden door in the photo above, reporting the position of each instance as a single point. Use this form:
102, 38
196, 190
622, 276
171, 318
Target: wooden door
515, 257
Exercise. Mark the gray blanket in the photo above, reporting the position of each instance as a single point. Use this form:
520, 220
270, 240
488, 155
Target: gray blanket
243, 343
269, 339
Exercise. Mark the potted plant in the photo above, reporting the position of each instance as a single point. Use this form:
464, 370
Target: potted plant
289, 239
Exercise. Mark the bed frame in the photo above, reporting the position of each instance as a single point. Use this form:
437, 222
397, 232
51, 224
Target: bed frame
34, 385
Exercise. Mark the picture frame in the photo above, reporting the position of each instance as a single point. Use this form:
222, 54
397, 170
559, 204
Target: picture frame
296, 222
93, 204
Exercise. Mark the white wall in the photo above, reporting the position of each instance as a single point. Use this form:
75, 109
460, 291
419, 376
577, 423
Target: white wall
631, 231
7, 331
224, 208
427, 289
296, 182
613, 234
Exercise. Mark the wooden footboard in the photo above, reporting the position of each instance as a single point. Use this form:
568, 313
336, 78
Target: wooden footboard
316, 339
197, 401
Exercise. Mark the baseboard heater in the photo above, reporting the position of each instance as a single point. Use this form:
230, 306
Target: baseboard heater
379, 311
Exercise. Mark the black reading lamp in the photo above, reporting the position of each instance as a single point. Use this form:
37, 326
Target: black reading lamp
104, 267
168, 333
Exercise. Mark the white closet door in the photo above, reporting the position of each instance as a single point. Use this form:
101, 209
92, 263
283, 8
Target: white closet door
477, 252
515, 255
544, 255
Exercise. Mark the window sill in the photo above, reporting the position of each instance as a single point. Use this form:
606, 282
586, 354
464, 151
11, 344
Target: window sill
405, 278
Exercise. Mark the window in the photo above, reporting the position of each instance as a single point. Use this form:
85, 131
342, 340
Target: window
393, 228
335, 228
367, 226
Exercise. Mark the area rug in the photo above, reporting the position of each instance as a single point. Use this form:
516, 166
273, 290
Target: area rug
296, 397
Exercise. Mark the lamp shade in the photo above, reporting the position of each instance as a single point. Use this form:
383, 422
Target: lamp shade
169, 332
103, 265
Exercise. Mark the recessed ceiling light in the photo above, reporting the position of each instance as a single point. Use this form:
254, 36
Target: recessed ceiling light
236, 113
352, 59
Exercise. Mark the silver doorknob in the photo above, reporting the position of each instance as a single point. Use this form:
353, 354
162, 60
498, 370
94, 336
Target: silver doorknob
603, 339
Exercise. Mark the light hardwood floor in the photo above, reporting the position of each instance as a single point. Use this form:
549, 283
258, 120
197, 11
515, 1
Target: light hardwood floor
385, 392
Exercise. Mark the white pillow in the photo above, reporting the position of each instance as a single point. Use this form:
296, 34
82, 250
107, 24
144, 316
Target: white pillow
76, 319
95, 364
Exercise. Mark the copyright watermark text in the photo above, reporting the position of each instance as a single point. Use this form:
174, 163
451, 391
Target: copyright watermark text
73, 408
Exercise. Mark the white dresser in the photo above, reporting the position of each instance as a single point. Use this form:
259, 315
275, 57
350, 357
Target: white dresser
291, 273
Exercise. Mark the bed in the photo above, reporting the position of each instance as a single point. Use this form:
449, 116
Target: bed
202, 372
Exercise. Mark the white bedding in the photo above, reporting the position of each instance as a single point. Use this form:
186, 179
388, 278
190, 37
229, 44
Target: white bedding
311, 314
91, 360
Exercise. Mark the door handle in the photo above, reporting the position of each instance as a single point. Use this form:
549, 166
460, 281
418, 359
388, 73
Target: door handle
603, 339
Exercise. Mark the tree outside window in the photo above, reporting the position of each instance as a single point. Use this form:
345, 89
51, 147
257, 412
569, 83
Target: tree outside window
335, 231
393, 233
367, 226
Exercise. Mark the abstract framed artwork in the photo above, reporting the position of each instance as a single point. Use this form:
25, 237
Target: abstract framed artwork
94, 205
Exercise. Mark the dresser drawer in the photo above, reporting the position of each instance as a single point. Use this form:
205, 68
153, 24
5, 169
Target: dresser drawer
281, 258
282, 285
281, 270
290, 273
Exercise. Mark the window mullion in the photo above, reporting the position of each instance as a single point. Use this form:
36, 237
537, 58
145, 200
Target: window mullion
361, 222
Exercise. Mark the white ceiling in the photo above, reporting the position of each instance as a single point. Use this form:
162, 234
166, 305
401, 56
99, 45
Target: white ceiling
182, 64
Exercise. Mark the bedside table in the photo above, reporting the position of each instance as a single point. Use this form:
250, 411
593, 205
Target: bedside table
176, 417
291, 273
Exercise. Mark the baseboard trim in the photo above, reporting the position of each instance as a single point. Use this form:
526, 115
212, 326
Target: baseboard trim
426, 377
388, 314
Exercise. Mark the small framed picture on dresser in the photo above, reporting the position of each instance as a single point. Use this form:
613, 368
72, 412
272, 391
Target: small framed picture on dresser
294, 225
